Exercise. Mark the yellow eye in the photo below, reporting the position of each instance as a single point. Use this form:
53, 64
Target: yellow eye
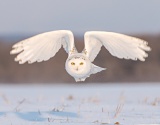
81, 63
72, 63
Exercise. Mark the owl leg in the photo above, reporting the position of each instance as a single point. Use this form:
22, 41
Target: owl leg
77, 79
80, 79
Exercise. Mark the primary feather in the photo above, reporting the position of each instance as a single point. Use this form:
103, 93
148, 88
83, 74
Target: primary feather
43, 46
119, 45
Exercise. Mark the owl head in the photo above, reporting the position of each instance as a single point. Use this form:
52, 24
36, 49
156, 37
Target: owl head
78, 65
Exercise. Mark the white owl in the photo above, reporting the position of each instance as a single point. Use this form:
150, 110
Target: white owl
79, 65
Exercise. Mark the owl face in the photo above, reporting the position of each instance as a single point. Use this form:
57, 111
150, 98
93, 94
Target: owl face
78, 66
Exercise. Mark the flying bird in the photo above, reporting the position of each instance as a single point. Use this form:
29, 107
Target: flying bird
79, 65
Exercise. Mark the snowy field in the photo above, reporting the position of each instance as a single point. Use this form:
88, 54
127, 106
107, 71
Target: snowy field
80, 104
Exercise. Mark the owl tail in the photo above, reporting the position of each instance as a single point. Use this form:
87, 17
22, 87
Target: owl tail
96, 69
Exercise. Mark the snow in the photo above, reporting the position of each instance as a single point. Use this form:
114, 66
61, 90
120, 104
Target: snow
77, 104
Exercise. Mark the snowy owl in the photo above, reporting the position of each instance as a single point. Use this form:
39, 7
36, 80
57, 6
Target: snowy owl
79, 65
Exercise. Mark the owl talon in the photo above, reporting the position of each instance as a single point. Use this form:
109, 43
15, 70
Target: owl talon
80, 79
77, 79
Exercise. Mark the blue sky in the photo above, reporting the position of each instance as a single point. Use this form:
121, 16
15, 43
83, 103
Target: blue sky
36, 16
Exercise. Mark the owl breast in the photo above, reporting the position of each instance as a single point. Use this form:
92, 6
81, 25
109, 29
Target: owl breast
78, 66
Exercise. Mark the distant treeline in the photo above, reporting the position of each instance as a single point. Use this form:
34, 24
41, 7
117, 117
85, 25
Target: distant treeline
53, 71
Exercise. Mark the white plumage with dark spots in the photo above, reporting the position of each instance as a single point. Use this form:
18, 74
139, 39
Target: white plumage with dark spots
79, 65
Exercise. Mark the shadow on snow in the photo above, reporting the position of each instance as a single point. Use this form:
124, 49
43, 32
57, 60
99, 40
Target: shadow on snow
38, 116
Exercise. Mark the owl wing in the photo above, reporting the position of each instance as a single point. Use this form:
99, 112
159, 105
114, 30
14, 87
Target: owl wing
43, 46
119, 45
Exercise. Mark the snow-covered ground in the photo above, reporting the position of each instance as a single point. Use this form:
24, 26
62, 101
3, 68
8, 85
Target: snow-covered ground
80, 104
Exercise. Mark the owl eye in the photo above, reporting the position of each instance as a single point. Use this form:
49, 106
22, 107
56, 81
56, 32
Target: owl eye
81, 63
72, 63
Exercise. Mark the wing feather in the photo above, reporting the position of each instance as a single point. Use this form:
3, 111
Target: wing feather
119, 45
43, 46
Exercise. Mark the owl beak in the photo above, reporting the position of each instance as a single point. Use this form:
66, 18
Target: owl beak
77, 68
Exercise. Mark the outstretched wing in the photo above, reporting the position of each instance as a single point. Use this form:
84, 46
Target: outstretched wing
43, 46
119, 45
